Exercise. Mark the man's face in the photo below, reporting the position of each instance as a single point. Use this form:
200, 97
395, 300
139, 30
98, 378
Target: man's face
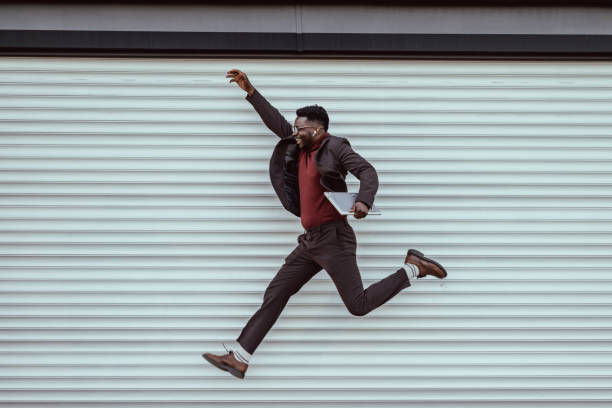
305, 134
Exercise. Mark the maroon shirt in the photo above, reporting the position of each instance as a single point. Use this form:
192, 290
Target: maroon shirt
315, 209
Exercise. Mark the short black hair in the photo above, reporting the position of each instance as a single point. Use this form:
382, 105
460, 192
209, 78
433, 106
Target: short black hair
315, 113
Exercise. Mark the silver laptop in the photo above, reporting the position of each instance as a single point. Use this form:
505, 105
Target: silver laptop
343, 202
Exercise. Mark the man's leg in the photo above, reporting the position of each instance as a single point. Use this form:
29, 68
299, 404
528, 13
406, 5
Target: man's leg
298, 269
337, 255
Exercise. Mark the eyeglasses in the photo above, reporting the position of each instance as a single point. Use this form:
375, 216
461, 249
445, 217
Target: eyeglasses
297, 129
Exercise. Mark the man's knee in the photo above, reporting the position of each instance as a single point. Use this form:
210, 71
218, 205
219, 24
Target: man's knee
356, 310
276, 294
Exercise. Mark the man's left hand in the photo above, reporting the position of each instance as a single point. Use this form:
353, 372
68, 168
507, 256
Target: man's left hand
359, 209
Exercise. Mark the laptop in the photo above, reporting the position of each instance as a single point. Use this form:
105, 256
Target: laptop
343, 202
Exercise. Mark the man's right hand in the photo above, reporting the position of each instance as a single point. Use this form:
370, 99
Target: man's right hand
241, 79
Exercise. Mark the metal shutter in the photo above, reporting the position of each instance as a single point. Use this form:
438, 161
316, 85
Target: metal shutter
139, 229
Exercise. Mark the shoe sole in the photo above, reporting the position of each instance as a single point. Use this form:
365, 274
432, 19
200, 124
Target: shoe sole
420, 255
231, 370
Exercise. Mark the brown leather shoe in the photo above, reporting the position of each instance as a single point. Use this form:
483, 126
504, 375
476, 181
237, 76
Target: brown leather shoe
227, 362
426, 266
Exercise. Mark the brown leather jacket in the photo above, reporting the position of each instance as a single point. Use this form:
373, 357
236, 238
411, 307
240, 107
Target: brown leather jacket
334, 157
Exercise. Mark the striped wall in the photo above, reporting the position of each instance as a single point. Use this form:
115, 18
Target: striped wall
139, 229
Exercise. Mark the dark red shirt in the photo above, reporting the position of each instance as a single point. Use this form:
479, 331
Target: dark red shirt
315, 209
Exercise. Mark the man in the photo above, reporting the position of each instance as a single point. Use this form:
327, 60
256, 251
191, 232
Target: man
306, 162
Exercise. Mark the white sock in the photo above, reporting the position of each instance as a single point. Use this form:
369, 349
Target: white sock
239, 352
412, 271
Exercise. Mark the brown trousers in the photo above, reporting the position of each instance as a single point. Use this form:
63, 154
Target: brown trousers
330, 246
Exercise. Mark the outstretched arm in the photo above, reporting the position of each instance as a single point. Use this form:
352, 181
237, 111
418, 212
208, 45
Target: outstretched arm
271, 117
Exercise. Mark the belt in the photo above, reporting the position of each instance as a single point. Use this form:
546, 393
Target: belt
326, 225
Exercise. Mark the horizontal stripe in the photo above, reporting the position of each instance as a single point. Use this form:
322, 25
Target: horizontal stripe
115, 42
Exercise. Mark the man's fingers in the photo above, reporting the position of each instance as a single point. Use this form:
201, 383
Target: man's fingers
358, 213
235, 77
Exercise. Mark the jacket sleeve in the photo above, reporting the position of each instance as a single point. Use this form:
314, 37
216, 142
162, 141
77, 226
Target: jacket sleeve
271, 117
363, 170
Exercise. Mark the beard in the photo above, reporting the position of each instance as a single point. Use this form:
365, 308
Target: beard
305, 143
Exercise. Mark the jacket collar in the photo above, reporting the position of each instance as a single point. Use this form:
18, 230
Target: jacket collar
323, 143
318, 153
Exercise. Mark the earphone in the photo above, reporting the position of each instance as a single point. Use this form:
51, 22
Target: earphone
315, 132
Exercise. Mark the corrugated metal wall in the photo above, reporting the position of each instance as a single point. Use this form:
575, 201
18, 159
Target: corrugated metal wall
139, 230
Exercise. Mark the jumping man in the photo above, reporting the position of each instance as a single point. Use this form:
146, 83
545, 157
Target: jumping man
306, 162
